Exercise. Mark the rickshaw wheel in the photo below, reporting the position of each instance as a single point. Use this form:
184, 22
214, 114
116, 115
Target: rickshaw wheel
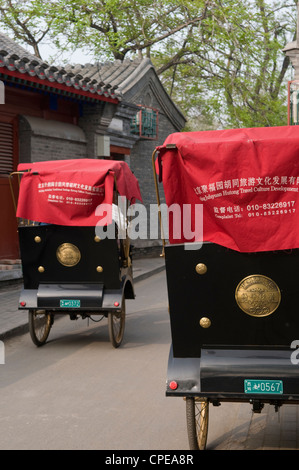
40, 323
197, 413
116, 326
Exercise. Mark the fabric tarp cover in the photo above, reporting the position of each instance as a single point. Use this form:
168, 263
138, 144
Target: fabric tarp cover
247, 181
68, 192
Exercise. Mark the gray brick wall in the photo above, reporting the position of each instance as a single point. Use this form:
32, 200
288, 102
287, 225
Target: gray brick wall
45, 148
150, 92
141, 165
41, 140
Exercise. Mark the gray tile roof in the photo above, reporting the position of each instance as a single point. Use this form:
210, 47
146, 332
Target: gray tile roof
101, 78
109, 74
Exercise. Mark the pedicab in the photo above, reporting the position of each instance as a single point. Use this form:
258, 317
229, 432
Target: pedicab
233, 280
74, 244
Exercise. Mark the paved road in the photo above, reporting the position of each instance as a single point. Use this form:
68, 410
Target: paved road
77, 392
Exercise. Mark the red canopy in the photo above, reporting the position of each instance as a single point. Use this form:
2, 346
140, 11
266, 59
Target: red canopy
67, 192
246, 179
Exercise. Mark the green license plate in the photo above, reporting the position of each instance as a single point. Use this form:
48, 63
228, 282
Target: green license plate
263, 386
70, 303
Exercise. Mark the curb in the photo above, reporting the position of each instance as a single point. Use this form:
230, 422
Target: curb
17, 331
143, 276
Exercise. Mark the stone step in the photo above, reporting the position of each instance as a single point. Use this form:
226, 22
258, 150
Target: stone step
10, 268
10, 261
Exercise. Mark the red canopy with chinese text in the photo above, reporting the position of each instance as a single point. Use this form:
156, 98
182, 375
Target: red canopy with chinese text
246, 179
68, 192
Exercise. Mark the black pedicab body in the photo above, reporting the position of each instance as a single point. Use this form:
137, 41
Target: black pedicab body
71, 270
55, 283
233, 314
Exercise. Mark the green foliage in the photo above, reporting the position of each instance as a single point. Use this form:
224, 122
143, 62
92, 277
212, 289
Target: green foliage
221, 61
234, 72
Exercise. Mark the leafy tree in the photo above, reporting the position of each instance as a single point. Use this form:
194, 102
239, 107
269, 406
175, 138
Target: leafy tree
112, 29
220, 60
22, 19
234, 71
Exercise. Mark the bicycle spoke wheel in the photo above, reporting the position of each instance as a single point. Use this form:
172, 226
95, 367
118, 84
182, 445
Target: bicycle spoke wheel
116, 325
197, 413
40, 323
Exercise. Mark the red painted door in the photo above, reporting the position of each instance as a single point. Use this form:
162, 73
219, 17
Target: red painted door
9, 247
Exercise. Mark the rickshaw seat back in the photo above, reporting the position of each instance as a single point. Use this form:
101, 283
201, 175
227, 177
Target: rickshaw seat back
221, 298
53, 254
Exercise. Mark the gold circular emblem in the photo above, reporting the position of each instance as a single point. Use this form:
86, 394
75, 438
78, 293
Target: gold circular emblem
258, 295
68, 254
205, 322
201, 268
